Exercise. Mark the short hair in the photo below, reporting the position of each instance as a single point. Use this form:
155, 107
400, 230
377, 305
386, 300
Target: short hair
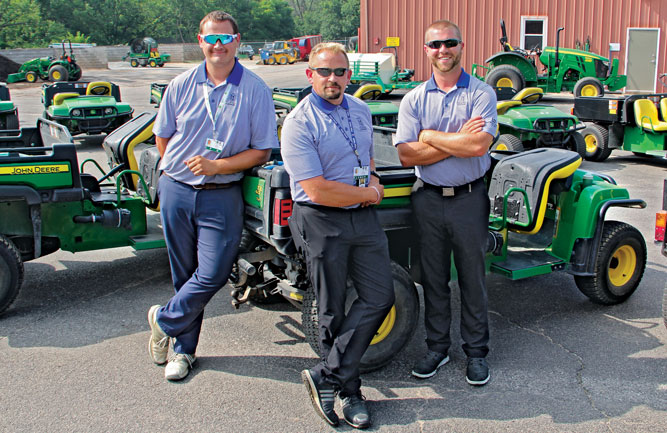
332, 47
218, 16
442, 25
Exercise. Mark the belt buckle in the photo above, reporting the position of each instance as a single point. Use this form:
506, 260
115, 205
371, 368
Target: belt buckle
448, 191
199, 186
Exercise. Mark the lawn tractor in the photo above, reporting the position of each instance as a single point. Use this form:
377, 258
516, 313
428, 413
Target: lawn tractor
9, 118
577, 71
525, 124
85, 108
637, 123
49, 68
143, 52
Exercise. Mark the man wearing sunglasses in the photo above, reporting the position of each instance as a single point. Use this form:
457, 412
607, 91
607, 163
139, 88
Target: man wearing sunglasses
445, 128
215, 121
327, 147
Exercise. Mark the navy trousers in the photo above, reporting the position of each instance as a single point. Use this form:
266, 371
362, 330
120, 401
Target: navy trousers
457, 225
342, 243
202, 229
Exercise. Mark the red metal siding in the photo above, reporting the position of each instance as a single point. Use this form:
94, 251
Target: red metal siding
604, 21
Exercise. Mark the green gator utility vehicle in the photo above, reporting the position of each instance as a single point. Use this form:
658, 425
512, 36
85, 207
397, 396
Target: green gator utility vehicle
85, 108
144, 52
49, 68
637, 123
524, 124
580, 72
9, 118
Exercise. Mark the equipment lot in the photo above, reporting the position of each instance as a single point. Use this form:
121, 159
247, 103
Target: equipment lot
73, 346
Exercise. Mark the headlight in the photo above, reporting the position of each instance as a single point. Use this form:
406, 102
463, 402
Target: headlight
108, 110
76, 112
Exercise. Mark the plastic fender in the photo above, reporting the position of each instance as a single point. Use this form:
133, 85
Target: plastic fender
515, 59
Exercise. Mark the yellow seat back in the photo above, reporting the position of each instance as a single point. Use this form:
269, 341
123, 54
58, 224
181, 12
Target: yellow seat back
663, 109
503, 106
58, 98
99, 88
529, 94
646, 116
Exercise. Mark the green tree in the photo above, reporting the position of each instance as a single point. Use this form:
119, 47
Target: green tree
22, 26
339, 18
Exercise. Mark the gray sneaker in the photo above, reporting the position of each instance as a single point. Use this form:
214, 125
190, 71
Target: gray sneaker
158, 345
429, 364
179, 366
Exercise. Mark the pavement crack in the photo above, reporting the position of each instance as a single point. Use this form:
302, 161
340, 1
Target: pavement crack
580, 360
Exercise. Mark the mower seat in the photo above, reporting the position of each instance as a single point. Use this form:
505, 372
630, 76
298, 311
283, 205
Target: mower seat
502, 107
532, 171
119, 145
98, 88
646, 116
663, 109
58, 98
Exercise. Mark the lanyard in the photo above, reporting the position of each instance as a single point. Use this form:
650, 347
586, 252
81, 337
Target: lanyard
223, 101
352, 141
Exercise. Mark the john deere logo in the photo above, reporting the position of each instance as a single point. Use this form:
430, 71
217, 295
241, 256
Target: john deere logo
34, 169
259, 191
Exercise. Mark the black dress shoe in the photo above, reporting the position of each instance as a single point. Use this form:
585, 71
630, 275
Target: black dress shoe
355, 411
322, 395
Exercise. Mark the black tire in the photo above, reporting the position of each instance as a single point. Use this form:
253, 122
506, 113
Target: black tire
161, 65
134, 63
619, 265
250, 57
265, 61
393, 335
596, 139
271, 60
578, 144
58, 73
78, 72
508, 142
588, 86
31, 76
283, 60
506, 76
11, 273
152, 63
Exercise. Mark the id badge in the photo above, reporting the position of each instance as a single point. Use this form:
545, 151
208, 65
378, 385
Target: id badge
214, 145
362, 175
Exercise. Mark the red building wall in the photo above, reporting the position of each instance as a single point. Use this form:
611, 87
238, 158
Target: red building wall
604, 21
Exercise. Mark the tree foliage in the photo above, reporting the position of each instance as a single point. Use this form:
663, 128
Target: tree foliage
36, 23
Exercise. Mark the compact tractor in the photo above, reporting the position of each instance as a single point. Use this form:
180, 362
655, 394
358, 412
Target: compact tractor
49, 68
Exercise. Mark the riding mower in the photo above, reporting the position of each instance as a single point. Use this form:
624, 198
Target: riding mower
524, 124
85, 108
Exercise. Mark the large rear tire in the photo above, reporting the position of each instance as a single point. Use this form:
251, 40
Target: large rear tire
506, 76
619, 265
58, 73
393, 334
11, 272
596, 138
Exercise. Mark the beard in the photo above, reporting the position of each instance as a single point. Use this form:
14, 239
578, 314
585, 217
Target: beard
454, 62
332, 91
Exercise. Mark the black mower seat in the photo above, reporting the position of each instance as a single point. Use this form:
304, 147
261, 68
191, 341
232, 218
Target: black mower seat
119, 145
532, 171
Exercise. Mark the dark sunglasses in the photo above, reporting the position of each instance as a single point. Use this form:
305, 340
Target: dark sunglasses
325, 72
449, 43
224, 38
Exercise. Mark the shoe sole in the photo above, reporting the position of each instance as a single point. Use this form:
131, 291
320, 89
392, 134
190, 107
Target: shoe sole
478, 382
359, 426
150, 340
431, 374
315, 397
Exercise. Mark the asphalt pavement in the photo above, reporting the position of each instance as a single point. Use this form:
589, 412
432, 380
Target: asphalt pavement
73, 347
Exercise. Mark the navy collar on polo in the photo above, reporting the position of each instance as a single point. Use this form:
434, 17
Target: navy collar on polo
233, 78
325, 105
463, 81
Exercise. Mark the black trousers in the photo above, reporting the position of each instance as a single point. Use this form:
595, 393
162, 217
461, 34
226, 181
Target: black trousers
458, 225
342, 243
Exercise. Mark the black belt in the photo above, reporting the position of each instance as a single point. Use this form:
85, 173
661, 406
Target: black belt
207, 185
451, 191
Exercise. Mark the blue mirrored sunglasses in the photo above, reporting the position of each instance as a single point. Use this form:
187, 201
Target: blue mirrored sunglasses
449, 43
224, 38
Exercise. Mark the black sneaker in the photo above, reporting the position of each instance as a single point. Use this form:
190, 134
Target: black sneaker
429, 364
477, 372
355, 412
322, 395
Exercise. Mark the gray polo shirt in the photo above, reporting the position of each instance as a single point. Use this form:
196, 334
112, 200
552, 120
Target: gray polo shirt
312, 143
247, 120
428, 107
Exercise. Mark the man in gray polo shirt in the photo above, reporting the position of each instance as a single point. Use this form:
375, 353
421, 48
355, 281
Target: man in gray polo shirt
327, 147
445, 128
215, 121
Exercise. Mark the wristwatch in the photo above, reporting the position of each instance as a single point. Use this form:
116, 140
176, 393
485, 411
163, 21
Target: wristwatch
374, 173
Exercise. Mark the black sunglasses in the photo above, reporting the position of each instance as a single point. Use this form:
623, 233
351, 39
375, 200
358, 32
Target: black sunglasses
325, 72
449, 43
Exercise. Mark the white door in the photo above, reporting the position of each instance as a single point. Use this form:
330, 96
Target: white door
641, 59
